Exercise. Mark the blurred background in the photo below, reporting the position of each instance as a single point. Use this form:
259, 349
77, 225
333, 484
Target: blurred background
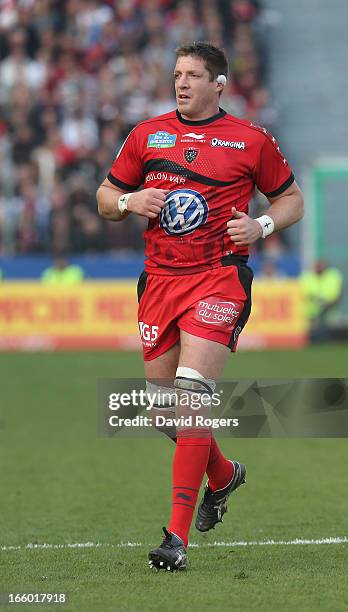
77, 75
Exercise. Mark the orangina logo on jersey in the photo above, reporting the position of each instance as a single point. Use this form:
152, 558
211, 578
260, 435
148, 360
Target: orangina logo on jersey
184, 212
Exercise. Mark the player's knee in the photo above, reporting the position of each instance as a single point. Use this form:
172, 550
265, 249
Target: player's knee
161, 406
193, 390
194, 396
190, 380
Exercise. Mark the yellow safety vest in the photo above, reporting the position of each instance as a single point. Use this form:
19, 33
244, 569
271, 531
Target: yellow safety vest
71, 275
320, 289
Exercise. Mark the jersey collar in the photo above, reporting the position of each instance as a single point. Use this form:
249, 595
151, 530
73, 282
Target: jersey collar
218, 115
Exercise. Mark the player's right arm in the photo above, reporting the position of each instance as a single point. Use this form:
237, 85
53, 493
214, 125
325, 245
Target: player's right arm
146, 202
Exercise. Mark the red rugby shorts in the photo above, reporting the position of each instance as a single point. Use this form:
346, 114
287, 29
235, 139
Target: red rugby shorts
214, 304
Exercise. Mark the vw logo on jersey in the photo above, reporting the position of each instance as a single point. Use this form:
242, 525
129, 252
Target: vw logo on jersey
185, 211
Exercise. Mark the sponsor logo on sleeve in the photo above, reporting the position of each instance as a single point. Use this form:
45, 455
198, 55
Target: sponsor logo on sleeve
161, 140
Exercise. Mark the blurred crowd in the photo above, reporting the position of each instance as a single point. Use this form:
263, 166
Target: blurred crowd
76, 76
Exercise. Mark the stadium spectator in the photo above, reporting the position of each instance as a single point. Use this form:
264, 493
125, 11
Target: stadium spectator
323, 289
62, 273
76, 76
18, 67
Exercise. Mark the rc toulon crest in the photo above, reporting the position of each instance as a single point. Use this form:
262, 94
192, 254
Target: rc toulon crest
190, 155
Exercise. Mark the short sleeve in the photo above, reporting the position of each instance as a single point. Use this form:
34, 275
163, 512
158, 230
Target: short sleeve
273, 174
127, 169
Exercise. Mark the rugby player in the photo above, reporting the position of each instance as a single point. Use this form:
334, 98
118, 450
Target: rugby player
192, 173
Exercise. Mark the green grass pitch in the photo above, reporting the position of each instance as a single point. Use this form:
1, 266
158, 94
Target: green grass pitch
61, 484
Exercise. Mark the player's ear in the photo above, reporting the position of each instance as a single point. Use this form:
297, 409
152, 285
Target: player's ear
221, 80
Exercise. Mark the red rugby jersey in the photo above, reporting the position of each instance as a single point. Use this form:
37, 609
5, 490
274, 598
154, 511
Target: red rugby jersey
209, 166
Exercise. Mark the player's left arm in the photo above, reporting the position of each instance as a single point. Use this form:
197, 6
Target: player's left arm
285, 210
273, 177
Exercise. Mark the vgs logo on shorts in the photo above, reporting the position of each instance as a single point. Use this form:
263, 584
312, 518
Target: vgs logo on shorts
148, 334
184, 212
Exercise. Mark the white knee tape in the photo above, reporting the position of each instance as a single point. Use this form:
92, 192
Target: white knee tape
194, 375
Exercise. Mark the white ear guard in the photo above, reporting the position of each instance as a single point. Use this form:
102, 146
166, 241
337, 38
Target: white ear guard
221, 79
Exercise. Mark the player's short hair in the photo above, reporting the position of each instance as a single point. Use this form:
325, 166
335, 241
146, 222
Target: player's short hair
214, 58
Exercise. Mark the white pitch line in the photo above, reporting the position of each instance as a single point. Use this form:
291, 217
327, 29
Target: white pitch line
296, 542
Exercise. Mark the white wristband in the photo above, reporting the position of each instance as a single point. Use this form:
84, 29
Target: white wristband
122, 203
267, 225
